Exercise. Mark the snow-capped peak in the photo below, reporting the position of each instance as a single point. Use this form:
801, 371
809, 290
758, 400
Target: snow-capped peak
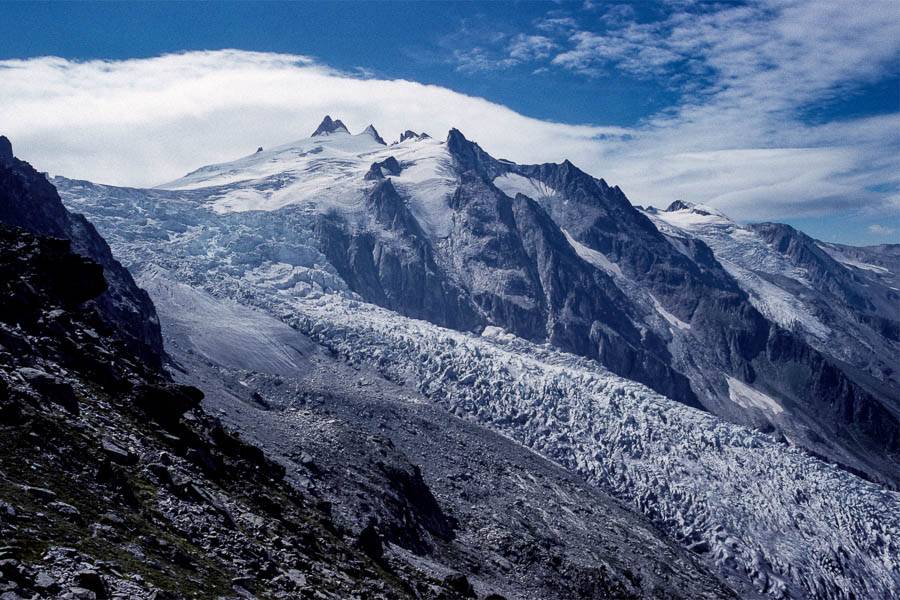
680, 205
687, 213
328, 127
371, 131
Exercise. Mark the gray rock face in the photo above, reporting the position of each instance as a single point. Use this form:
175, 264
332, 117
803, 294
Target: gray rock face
504, 263
6, 153
378, 169
29, 201
403, 276
831, 411
862, 280
412, 135
576, 306
834, 308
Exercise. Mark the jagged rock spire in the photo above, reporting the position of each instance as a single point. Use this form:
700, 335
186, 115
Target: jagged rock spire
327, 127
378, 169
374, 133
409, 134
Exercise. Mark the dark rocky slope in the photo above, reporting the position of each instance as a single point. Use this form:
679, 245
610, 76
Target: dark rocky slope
115, 483
29, 201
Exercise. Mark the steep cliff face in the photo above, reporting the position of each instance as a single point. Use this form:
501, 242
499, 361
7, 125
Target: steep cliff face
502, 262
393, 264
577, 306
29, 201
826, 274
860, 280
718, 330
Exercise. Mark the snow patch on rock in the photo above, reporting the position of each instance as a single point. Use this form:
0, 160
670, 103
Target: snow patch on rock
744, 395
513, 183
591, 256
672, 319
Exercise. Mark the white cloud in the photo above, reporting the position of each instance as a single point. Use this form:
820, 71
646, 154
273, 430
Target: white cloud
556, 23
530, 47
733, 143
145, 121
595, 53
477, 60
745, 75
881, 230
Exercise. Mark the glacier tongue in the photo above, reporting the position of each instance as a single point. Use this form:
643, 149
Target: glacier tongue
775, 521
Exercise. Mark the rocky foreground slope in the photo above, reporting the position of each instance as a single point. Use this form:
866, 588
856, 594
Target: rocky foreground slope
114, 483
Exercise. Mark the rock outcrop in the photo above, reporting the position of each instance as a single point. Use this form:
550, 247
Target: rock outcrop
328, 127
29, 201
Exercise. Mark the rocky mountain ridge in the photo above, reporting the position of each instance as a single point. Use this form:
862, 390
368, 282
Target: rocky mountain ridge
31, 202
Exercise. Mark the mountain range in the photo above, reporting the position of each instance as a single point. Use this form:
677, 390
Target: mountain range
512, 373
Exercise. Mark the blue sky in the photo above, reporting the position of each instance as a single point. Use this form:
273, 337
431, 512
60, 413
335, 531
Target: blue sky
769, 110
452, 44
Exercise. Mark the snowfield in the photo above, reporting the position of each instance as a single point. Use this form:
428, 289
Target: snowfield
326, 173
743, 253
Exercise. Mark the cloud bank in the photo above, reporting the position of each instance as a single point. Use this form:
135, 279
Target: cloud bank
145, 121
737, 139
